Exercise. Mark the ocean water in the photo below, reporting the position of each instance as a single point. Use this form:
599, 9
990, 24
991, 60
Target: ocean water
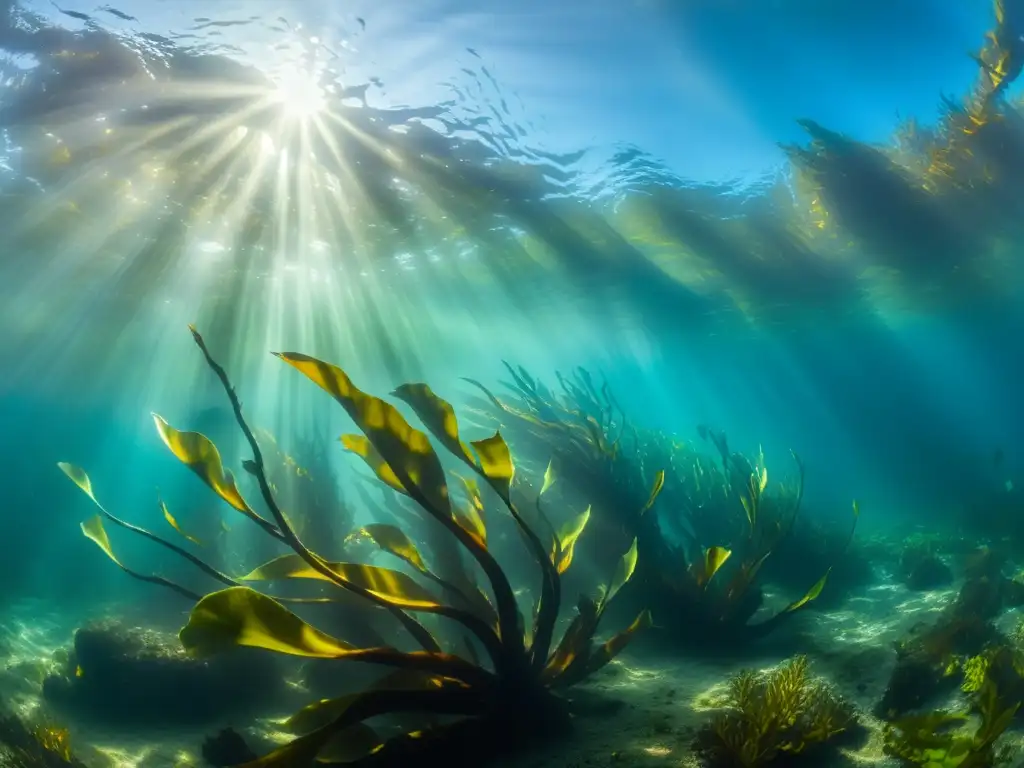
737, 283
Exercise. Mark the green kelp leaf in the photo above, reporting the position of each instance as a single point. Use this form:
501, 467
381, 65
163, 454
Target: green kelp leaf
575, 641
471, 517
659, 483
568, 535
496, 464
549, 479
199, 454
355, 742
78, 477
616, 644
623, 573
714, 559
393, 541
405, 449
96, 533
361, 446
239, 616
394, 587
437, 416
320, 713
812, 593
470, 520
174, 524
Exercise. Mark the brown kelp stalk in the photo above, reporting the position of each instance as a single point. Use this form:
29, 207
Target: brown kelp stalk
502, 704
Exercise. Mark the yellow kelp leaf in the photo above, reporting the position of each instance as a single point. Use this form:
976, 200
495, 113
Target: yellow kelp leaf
320, 713
471, 521
567, 537
95, 532
239, 616
812, 593
472, 491
496, 463
438, 416
659, 483
395, 587
393, 541
623, 573
198, 452
363, 448
749, 508
406, 450
471, 518
616, 644
349, 745
763, 480
714, 558
549, 479
174, 524
78, 477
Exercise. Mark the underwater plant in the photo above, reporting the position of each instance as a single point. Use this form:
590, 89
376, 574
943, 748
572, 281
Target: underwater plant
772, 716
503, 697
704, 527
42, 746
933, 657
928, 740
718, 585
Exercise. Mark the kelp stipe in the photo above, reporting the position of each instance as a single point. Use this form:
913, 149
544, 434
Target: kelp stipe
506, 701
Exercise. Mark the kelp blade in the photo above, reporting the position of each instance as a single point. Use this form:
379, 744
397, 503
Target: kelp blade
394, 587
392, 540
239, 616
199, 454
402, 447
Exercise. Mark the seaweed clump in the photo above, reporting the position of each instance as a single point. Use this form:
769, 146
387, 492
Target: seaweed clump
931, 739
705, 525
774, 716
927, 662
43, 746
495, 688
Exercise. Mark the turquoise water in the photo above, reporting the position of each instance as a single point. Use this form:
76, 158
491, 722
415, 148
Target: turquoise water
794, 224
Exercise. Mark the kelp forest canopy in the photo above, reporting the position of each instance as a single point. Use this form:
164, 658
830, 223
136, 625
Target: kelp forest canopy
926, 218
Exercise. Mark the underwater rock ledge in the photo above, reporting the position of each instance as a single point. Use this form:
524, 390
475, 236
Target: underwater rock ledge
128, 676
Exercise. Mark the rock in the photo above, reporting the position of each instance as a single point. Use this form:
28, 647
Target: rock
133, 677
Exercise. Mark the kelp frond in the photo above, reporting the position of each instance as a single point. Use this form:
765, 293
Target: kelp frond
774, 714
512, 691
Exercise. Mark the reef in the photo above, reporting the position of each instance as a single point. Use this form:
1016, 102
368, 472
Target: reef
497, 686
130, 677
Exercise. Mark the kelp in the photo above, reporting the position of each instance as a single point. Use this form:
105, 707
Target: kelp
929, 739
40, 746
705, 526
934, 658
500, 682
709, 594
774, 716
935, 191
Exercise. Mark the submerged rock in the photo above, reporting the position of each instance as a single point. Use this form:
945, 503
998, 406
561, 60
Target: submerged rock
130, 676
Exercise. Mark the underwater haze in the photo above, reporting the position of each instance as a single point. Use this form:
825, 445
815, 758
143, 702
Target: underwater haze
355, 356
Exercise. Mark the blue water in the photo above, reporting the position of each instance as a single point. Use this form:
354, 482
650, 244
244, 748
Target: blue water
423, 191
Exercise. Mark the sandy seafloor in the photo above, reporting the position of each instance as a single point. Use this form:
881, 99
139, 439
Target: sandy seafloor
657, 705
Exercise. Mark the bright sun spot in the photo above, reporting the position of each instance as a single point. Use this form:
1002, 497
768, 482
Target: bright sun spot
299, 95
